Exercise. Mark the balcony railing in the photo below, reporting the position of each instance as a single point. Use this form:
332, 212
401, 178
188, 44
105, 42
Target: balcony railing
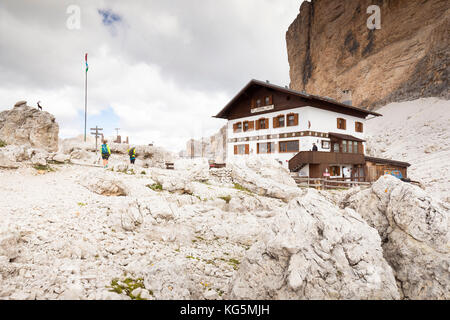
321, 157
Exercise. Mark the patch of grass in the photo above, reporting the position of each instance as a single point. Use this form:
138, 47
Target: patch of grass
43, 168
2, 144
235, 263
127, 286
155, 187
226, 198
241, 188
220, 292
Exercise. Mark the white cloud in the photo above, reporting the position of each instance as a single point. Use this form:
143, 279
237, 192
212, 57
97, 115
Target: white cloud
165, 70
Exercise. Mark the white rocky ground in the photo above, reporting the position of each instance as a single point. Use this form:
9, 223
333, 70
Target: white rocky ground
65, 235
74, 230
417, 132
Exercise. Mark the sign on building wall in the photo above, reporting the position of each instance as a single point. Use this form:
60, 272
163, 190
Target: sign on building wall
395, 173
261, 109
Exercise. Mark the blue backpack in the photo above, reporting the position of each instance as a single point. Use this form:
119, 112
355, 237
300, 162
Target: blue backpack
104, 149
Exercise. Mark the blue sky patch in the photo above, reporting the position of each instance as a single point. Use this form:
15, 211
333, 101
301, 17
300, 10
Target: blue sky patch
109, 17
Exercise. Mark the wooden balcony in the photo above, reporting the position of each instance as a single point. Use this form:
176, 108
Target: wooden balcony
321, 157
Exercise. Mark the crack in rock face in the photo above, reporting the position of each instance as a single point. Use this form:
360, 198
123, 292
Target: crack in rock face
415, 231
296, 261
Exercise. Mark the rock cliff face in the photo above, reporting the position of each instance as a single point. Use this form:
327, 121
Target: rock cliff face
24, 125
331, 49
213, 147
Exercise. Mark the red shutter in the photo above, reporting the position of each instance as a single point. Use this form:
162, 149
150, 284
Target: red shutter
267, 123
246, 149
257, 124
296, 119
235, 150
275, 122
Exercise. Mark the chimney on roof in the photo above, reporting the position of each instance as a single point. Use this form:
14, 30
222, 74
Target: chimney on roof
346, 97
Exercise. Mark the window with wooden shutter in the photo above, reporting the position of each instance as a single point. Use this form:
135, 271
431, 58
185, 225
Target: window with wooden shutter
247, 149
358, 126
253, 103
281, 121
341, 123
235, 149
292, 119
262, 123
275, 122
251, 125
234, 127
271, 99
245, 126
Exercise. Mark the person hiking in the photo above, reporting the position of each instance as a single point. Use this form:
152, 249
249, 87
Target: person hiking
106, 152
132, 154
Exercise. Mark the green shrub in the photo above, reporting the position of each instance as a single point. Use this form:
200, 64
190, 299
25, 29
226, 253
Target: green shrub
226, 198
155, 187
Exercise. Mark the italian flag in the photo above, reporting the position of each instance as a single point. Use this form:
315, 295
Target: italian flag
87, 67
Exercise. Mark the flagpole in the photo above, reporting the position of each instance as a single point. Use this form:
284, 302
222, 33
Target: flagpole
85, 101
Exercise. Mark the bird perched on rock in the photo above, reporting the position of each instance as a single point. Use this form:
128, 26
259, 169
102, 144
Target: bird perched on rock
39, 106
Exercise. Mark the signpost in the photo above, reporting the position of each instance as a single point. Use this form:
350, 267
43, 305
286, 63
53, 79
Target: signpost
97, 134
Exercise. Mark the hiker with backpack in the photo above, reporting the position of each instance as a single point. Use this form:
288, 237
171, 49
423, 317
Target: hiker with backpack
132, 154
106, 152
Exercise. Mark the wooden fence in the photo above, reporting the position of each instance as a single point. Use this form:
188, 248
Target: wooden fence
324, 184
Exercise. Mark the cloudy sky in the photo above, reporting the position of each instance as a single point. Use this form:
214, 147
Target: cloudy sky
159, 70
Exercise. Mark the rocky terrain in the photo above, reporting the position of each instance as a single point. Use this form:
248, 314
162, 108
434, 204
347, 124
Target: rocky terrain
331, 49
416, 132
71, 229
24, 125
85, 232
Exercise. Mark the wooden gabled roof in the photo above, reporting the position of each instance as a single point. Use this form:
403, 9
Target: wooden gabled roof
341, 136
387, 161
223, 113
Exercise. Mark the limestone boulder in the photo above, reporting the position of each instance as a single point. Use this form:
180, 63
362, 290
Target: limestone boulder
105, 184
61, 158
6, 162
414, 228
39, 158
195, 169
264, 176
314, 250
24, 125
